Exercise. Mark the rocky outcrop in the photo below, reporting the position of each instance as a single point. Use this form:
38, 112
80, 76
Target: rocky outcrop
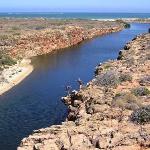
48, 40
24, 38
110, 112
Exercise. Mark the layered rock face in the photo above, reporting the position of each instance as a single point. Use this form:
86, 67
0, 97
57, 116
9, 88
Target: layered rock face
48, 40
110, 112
24, 38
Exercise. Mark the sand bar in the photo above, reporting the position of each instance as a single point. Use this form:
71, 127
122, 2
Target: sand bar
14, 75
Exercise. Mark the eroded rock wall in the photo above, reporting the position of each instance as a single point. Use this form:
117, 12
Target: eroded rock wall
48, 40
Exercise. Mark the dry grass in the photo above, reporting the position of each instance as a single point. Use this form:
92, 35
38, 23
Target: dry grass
126, 101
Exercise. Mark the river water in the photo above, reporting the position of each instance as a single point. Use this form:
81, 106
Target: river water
35, 103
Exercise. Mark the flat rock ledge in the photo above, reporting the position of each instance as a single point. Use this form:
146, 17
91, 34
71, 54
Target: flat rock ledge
106, 113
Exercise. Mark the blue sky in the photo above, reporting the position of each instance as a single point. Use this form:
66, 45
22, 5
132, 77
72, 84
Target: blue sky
75, 5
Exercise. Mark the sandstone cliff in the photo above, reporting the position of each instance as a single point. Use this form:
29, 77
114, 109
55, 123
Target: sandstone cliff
48, 40
110, 112
24, 38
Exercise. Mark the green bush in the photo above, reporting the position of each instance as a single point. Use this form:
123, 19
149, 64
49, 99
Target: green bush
141, 115
107, 66
126, 101
90, 26
111, 78
6, 60
3, 37
140, 91
16, 34
125, 77
127, 25
40, 27
108, 79
126, 47
145, 80
15, 28
120, 56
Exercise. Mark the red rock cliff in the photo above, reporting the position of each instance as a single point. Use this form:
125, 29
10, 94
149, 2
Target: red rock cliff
48, 40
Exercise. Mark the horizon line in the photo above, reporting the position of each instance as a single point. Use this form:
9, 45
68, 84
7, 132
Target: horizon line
65, 12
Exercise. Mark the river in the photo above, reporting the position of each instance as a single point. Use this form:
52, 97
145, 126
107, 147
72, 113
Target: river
35, 103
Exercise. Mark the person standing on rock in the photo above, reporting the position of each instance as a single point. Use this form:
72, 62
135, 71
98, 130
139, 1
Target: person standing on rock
68, 89
80, 83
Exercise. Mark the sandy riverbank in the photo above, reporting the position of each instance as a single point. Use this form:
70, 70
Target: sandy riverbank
13, 75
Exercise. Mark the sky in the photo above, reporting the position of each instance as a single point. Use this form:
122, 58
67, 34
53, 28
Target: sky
75, 6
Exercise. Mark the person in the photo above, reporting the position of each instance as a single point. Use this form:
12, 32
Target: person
80, 82
68, 89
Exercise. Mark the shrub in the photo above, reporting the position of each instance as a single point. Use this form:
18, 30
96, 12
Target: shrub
16, 34
6, 60
4, 37
145, 80
108, 79
90, 26
140, 91
15, 28
107, 66
125, 77
120, 56
141, 115
96, 71
126, 101
126, 47
127, 25
111, 78
40, 27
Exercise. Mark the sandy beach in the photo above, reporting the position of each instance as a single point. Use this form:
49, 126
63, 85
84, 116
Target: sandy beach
14, 75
